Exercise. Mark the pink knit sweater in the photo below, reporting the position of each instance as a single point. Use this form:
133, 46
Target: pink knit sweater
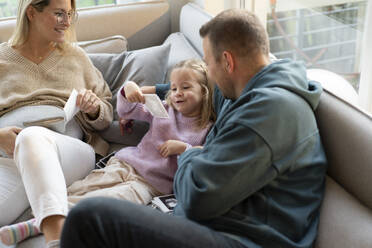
145, 157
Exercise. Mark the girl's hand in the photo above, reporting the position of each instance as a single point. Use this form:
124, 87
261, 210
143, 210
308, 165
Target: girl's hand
8, 136
172, 147
88, 102
125, 126
133, 93
148, 89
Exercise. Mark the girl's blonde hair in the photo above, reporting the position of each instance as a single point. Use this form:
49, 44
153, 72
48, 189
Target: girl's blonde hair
207, 113
21, 32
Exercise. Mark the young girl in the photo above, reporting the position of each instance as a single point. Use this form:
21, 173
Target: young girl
139, 173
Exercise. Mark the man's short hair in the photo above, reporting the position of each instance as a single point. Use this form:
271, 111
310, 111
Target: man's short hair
236, 30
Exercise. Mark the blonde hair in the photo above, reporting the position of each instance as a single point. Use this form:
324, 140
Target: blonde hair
21, 32
207, 113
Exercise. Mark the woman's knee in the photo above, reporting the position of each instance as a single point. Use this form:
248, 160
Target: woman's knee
31, 145
31, 136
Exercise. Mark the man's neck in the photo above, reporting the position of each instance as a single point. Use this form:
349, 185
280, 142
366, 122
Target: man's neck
247, 70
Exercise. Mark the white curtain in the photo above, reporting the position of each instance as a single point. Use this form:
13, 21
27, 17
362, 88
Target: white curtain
365, 86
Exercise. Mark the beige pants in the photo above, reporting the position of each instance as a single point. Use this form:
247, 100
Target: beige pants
118, 179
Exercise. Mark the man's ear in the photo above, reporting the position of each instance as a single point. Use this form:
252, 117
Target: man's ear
30, 12
228, 61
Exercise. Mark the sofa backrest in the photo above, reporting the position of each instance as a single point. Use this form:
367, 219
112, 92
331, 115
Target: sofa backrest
346, 213
192, 17
151, 25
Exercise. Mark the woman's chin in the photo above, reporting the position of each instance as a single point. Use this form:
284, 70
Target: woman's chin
60, 40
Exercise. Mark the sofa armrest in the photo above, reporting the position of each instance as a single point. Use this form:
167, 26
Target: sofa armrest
346, 133
346, 212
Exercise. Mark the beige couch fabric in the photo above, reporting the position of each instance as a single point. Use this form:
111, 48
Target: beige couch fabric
344, 221
112, 44
346, 213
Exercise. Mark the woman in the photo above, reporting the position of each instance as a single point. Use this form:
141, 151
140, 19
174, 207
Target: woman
39, 66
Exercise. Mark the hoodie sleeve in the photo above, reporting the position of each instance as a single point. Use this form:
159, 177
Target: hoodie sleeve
210, 181
162, 90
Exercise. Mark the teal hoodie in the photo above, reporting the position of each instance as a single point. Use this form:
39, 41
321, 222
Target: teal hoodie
260, 175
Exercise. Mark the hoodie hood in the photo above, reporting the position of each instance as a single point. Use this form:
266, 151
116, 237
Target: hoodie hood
289, 75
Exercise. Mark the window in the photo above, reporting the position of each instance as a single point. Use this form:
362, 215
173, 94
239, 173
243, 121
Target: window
325, 34
8, 8
90, 3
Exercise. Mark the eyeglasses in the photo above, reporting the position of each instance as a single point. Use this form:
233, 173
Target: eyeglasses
62, 17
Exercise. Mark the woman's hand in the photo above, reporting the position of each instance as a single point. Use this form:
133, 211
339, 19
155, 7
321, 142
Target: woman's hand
172, 147
133, 93
88, 102
8, 136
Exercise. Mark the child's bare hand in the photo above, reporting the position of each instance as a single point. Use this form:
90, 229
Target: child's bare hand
125, 126
172, 147
148, 89
133, 93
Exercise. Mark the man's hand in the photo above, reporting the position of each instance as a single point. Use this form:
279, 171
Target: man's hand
172, 147
8, 136
133, 93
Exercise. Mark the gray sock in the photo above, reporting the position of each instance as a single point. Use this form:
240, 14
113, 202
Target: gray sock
53, 244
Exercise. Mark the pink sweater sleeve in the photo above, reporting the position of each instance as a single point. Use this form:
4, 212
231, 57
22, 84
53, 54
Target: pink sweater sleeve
128, 110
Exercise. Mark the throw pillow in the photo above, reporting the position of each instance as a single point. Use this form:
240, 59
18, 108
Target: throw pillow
146, 66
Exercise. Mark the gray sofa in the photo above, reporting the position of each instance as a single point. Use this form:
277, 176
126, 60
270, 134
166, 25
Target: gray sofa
346, 216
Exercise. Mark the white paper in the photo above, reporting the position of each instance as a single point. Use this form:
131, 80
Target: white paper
70, 107
155, 106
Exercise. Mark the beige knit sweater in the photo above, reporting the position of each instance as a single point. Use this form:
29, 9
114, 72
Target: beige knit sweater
23, 82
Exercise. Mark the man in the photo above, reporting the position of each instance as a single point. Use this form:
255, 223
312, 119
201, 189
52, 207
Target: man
259, 179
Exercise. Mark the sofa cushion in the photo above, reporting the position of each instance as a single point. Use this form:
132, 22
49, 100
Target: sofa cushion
180, 50
344, 221
347, 137
112, 44
192, 17
145, 67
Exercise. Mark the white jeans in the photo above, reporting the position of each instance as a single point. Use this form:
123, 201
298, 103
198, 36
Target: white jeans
47, 162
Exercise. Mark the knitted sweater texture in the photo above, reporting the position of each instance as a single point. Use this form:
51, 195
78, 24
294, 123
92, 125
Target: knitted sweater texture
23, 83
145, 157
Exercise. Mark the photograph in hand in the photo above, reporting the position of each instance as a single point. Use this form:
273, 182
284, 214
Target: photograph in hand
155, 106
